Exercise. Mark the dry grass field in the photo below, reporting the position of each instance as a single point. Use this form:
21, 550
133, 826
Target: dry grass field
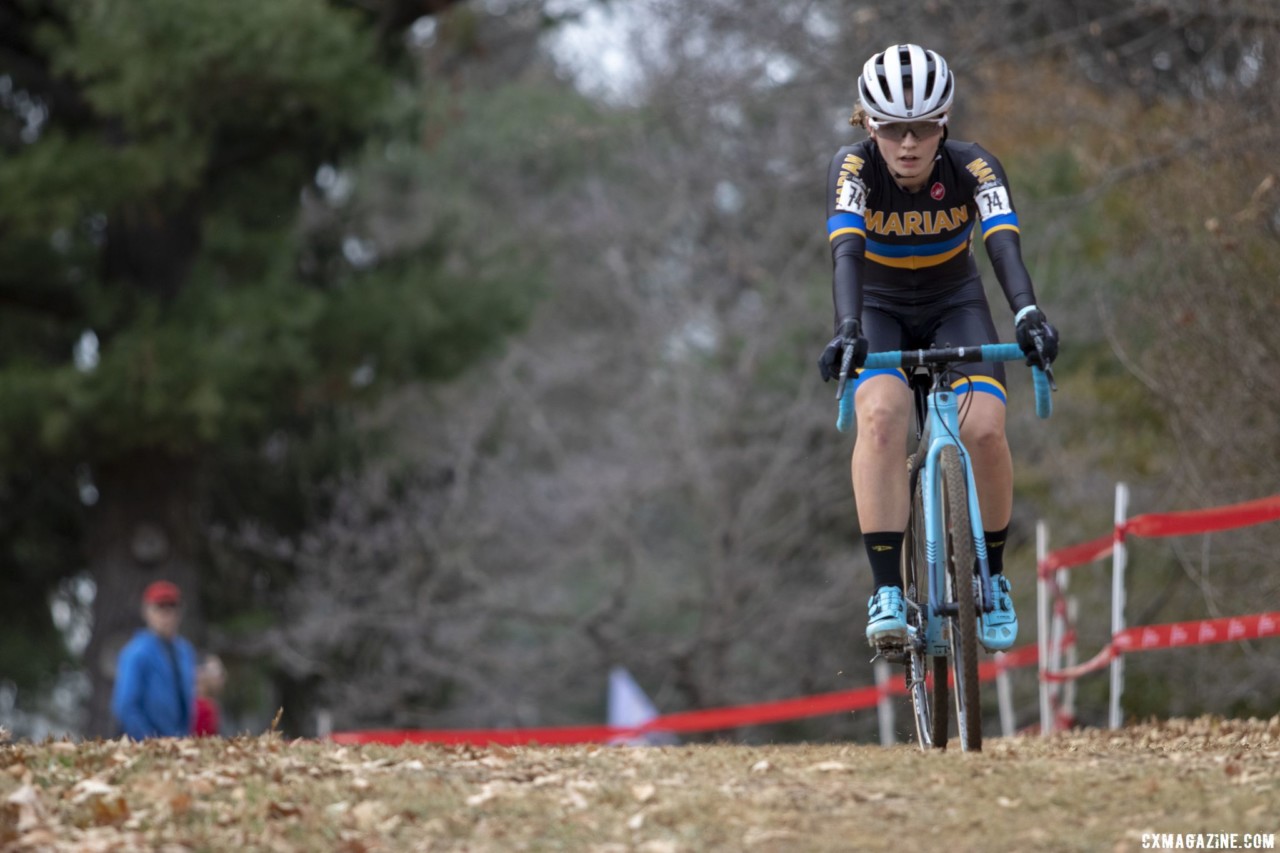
1082, 790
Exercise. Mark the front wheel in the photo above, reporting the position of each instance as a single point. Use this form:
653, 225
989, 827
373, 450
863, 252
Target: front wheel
959, 562
928, 695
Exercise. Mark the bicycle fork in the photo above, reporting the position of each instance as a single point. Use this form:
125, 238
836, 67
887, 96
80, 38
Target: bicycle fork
944, 431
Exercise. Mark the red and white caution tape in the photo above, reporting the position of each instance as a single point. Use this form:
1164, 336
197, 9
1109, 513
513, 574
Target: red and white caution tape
711, 719
1076, 555
1153, 525
1201, 633
1224, 630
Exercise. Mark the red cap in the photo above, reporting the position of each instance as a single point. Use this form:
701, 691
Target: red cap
161, 592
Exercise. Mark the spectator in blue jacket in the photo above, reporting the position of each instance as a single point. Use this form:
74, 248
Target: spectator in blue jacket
155, 685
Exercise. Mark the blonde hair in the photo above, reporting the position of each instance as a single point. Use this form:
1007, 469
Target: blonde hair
859, 117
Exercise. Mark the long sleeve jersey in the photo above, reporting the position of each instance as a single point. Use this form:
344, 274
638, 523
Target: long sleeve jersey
914, 248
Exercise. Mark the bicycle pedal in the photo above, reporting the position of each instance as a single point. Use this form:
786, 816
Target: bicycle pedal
892, 649
892, 655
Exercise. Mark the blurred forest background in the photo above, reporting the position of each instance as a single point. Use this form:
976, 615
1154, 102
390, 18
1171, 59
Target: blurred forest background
450, 353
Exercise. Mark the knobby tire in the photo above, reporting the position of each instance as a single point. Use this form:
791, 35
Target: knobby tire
964, 628
928, 703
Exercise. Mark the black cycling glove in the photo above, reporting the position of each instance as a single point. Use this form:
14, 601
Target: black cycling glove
848, 335
1032, 325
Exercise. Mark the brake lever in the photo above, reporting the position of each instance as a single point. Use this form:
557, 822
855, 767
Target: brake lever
1047, 366
846, 362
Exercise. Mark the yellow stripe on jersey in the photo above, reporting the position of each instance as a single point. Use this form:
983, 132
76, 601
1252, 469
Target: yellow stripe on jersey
842, 231
987, 232
980, 383
915, 262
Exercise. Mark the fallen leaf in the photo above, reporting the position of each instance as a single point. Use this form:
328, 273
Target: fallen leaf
109, 810
180, 804
368, 814
658, 845
37, 839
26, 800
487, 793
353, 845
830, 767
573, 799
760, 835
283, 810
87, 789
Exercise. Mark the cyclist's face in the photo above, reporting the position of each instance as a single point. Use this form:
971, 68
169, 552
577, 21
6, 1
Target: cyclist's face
909, 149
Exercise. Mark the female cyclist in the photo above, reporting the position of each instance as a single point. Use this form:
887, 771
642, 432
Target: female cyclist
902, 209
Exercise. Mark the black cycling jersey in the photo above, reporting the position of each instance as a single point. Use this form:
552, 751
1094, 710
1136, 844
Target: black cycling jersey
903, 260
900, 249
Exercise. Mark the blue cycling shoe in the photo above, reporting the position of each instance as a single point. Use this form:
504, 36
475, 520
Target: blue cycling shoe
999, 628
886, 616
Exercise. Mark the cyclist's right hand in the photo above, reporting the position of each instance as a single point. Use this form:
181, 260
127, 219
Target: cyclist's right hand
848, 335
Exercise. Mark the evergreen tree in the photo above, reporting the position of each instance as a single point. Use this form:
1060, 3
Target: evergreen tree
176, 342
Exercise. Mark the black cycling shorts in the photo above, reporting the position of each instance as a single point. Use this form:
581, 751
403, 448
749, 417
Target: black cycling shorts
962, 319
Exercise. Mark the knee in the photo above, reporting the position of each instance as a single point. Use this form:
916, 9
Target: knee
882, 425
985, 437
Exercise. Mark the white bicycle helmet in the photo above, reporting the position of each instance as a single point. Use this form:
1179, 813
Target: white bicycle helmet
905, 82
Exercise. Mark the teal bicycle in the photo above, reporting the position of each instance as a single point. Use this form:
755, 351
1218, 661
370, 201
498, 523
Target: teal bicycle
946, 577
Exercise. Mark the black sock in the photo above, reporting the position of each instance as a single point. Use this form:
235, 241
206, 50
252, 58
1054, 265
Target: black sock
995, 549
884, 550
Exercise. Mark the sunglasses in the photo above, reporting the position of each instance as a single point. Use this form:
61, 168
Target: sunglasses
896, 131
165, 605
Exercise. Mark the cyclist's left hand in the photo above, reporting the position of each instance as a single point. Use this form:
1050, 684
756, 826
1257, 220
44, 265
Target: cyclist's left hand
1032, 325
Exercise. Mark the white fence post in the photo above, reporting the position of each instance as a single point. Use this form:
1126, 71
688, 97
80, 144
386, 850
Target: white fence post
1058, 628
1042, 627
1004, 695
884, 706
1118, 602
1069, 688
324, 723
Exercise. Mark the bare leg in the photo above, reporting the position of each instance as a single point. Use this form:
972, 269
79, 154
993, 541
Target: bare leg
883, 408
983, 435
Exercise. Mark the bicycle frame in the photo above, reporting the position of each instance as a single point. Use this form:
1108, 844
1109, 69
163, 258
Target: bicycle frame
942, 429
942, 626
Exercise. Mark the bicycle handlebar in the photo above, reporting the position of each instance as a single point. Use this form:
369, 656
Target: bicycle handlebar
950, 355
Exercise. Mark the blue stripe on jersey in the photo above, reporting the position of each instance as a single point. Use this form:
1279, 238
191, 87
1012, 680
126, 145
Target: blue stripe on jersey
1004, 220
925, 250
865, 374
846, 222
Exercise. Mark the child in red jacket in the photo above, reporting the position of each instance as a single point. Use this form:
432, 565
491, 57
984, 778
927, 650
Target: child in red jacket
210, 678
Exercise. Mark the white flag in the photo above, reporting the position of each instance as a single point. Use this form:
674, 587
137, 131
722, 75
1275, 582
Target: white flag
629, 707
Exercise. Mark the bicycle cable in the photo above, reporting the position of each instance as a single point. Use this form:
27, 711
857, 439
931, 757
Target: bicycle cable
967, 402
963, 411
